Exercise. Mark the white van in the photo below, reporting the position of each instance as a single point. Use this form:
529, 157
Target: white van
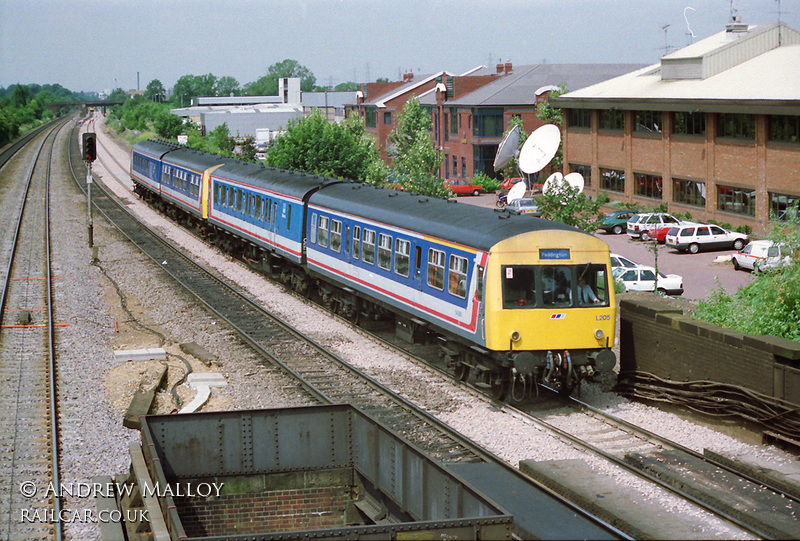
760, 254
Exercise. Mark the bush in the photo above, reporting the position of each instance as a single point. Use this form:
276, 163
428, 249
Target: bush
489, 184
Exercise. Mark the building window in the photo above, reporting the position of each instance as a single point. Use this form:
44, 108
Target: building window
580, 118
612, 120
689, 124
384, 251
455, 166
648, 122
488, 121
612, 179
446, 166
402, 251
736, 126
780, 204
784, 128
689, 192
463, 167
387, 118
457, 277
453, 120
483, 159
436, 269
370, 117
648, 185
737, 200
584, 170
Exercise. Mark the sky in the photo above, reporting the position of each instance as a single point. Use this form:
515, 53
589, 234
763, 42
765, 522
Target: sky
97, 45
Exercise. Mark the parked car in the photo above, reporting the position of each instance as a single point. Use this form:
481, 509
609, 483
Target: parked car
524, 205
643, 278
761, 254
616, 222
696, 237
659, 233
620, 261
508, 183
639, 225
460, 186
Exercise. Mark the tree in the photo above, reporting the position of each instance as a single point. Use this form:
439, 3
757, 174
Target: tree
563, 203
168, 125
416, 161
155, 91
268, 84
550, 115
314, 145
189, 87
228, 86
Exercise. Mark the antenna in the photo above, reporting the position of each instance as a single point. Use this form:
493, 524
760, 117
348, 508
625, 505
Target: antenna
507, 150
666, 42
539, 149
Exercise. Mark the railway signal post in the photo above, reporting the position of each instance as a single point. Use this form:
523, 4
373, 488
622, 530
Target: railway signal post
89, 155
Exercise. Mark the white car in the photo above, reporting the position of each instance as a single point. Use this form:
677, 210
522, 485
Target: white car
621, 261
760, 254
696, 237
643, 278
639, 225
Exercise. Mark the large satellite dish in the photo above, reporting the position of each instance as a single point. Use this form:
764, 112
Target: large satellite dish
517, 191
575, 180
552, 181
507, 150
539, 149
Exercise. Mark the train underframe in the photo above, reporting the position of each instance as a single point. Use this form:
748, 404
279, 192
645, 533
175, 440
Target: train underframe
507, 375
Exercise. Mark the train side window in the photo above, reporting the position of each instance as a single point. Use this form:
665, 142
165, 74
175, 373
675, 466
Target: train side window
336, 235
257, 208
457, 276
322, 232
436, 269
247, 200
385, 251
369, 246
314, 228
253, 206
274, 218
230, 197
356, 241
402, 252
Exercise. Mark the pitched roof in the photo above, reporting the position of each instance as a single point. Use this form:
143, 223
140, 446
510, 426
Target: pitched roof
418, 81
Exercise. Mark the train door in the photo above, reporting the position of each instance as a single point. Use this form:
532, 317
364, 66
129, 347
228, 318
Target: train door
416, 265
271, 208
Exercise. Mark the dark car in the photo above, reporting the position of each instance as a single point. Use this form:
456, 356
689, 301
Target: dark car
460, 186
616, 222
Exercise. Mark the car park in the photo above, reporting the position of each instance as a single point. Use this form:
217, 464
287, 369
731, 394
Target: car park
696, 237
460, 186
639, 225
759, 255
616, 221
621, 261
643, 278
524, 205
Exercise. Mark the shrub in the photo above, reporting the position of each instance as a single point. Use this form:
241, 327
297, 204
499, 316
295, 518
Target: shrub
486, 182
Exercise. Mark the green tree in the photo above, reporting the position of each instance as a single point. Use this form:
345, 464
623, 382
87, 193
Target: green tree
155, 91
189, 87
118, 95
168, 125
21, 96
314, 145
550, 115
228, 86
268, 84
563, 203
416, 161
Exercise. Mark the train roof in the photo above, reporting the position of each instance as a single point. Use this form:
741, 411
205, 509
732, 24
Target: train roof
182, 156
291, 183
449, 220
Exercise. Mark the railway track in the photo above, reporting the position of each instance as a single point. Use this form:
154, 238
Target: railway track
29, 461
323, 376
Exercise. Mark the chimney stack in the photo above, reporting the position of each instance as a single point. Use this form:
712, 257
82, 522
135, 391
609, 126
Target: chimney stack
508, 67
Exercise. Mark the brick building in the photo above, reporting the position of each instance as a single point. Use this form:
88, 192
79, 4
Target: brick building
713, 129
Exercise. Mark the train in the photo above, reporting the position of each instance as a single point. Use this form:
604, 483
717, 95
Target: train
512, 301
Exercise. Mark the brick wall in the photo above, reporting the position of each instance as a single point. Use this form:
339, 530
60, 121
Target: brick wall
269, 503
660, 340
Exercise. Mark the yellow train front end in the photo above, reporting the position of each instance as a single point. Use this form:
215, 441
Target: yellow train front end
550, 312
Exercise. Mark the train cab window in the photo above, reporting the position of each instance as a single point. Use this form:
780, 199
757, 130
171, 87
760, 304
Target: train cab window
519, 286
402, 251
556, 286
369, 246
322, 232
356, 241
592, 285
457, 276
336, 235
436, 269
385, 251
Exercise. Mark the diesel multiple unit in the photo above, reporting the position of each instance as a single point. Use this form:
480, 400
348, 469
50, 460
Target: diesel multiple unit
512, 300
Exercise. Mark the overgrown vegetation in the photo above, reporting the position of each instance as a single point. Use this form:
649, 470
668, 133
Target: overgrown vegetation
771, 304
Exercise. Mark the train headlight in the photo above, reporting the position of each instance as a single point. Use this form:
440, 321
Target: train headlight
599, 334
515, 336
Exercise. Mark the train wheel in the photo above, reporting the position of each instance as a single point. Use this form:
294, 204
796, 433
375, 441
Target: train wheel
499, 385
461, 371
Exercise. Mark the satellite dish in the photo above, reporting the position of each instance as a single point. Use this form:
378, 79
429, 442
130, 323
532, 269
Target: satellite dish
516, 192
553, 180
507, 150
539, 149
575, 180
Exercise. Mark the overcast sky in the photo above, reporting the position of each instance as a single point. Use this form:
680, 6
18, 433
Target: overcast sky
96, 45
